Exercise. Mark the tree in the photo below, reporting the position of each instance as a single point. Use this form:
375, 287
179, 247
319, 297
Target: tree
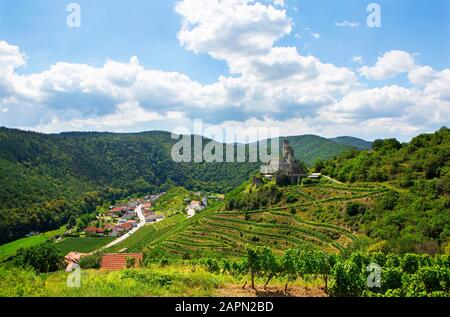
43, 258
270, 264
319, 165
289, 266
323, 265
355, 208
252, 264
72, 222
131, 262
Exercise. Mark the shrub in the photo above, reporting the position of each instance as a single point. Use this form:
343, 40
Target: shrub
91, 262
42, 258
355, 208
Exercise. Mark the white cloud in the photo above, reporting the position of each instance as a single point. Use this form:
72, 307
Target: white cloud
279, 3
10, 58
232, 28
313, 34
271, 85
357, 59
347, 24
421, 75
389, 65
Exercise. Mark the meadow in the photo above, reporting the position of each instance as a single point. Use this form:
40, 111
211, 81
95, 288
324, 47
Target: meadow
10, 249
83, 245
182, 279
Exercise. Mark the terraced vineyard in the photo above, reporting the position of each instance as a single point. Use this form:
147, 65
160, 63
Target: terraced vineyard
225, 233
150, 232
218, 232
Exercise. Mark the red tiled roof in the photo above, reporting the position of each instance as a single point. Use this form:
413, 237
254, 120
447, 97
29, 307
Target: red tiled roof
91, 230
127, 225
118, 209
118, 261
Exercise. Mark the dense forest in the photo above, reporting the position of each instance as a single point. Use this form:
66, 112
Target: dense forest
45, 178
426, 157
414, 215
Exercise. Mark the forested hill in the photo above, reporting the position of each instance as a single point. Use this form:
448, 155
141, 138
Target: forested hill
414, 215
426, 157
47, 177
310, 148
356, 143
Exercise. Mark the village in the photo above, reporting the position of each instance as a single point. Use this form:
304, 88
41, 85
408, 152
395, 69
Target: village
125, 218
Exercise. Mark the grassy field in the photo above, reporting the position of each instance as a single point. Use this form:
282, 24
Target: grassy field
173, 201
12, 247
83, 245
174, 280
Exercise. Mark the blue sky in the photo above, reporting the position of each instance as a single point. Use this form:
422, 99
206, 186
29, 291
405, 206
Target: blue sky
417, 32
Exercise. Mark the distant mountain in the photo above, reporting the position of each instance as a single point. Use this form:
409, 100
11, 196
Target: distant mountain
350, 141
310, 148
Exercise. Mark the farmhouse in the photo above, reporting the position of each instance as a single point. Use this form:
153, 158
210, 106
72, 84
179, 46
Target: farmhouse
93, 230
153, 218
117, 231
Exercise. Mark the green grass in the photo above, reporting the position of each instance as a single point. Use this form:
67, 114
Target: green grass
11, 248
83, 245
172, 202
175, 280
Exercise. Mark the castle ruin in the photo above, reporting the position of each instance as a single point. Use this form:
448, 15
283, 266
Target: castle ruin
286, 170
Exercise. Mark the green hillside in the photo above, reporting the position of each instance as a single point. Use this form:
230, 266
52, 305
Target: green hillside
310, 148
415, 215
356, 143
47, 177
295, 220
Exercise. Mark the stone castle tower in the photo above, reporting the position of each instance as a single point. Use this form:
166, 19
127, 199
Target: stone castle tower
286, 169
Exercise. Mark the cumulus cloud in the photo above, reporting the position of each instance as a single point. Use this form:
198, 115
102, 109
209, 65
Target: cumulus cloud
270, 85
389, 65
421, 75
232, 28
10, 58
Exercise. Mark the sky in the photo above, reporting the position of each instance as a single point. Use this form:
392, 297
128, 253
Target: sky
302, 67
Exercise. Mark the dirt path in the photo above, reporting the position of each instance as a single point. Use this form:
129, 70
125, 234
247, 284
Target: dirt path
294, 291
331, 179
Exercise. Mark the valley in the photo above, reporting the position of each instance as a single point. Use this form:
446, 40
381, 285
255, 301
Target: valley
310, 234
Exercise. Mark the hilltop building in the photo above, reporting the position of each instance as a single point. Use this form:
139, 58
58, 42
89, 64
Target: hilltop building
286, 170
